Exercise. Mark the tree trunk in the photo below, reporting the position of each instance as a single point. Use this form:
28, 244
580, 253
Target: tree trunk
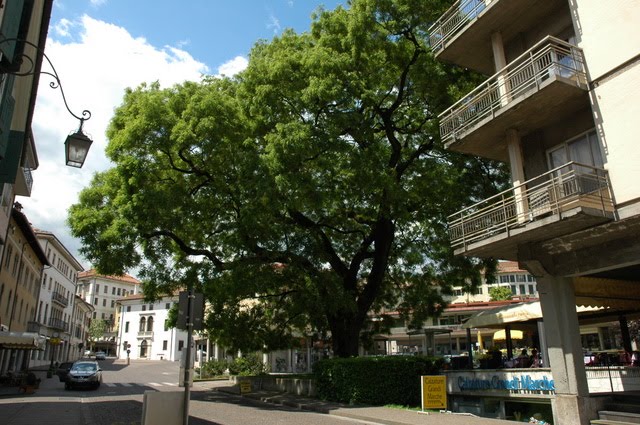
345, 336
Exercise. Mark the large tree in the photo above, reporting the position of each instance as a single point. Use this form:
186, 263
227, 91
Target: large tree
300, 196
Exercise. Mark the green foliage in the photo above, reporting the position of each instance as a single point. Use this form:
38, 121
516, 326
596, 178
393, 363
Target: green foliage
302, 195
97, 328
499, 293
249, 365
374, 380
213, 368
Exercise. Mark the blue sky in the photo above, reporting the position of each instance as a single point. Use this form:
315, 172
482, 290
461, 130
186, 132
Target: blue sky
212, 31
101, 47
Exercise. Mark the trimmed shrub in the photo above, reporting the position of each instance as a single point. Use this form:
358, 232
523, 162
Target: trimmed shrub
213, 368
374, 380
250, 365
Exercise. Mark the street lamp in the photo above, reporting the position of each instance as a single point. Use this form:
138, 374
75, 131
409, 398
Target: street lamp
78, 143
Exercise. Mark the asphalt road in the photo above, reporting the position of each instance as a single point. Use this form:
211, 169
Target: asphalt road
119, 401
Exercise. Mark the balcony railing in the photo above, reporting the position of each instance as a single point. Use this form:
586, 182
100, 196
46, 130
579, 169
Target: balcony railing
549, 57
58, 324
145, 334
453, 21
59, 298
569, 186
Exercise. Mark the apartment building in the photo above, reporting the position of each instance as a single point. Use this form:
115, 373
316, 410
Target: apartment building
22, 264
57, 312
558, 108
102, 293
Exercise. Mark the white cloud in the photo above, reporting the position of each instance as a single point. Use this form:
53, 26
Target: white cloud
97, 3
274, 24
234, 66
94, 71
62, 28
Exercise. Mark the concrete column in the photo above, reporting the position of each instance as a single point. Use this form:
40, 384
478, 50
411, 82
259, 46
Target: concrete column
500, 62
544, 350
571, 404
601, 338
516, 165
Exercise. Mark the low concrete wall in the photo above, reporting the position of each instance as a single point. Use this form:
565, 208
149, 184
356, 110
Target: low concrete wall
299, 386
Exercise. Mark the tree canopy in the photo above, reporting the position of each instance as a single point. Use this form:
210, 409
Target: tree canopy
304, 194
500, 293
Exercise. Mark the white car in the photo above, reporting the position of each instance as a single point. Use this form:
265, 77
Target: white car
101, 355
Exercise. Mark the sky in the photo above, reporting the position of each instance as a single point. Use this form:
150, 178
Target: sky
101, 47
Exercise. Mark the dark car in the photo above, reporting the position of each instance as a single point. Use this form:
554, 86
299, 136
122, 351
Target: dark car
85, 373
63, 369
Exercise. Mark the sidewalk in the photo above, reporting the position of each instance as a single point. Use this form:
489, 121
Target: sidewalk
378, 415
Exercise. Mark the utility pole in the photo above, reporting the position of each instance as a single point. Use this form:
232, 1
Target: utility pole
187, 358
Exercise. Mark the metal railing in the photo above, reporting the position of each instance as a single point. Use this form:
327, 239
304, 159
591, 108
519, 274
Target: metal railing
59, 298
58, 324
145, 334
549, 57
453, 21
558, 190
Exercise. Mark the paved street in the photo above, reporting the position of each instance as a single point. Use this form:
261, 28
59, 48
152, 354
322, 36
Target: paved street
119, 401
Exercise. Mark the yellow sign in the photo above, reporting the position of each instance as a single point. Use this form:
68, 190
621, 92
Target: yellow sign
245, 387
55, 341
434, 392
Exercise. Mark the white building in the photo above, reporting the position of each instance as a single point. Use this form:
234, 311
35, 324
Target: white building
143, 329
57, 303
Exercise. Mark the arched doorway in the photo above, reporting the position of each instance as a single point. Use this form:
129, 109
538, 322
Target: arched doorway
143, 349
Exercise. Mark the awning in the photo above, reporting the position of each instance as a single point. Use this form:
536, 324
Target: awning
511, 313
22, 341
501, 335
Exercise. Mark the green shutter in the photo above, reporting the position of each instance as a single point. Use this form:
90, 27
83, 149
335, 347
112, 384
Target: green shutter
6, 114
9, 164
10, 27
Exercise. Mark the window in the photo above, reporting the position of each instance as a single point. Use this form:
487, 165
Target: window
106, 289
513, 290
180, 345
128, 308
143, 324
104, 302
167, 306
150, 324
584, 149
150, 307
97, 288
113, 303
113, 290
118, 291
144, 307
126, 326
165, 344
522, 290
95, 301
531, 290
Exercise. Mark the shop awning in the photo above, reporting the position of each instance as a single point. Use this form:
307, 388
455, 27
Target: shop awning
22, 341
522, 312
501, 335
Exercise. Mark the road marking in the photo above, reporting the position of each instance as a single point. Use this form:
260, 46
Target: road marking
171, 384
155, 384
108, 384
124, 384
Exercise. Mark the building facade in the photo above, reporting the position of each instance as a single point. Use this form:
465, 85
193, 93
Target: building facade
28, 20
143, 330
22, 265
556, 108
103, 292
57, 311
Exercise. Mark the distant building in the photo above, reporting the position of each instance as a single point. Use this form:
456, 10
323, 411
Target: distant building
57, 303
103, 292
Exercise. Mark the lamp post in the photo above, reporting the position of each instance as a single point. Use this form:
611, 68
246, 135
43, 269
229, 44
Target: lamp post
78, 143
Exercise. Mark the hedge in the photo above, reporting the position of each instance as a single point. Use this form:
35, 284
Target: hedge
374, 380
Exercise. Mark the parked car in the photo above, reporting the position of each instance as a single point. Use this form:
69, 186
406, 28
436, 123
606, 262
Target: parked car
63, 370
101, 355
84, 373
88, 353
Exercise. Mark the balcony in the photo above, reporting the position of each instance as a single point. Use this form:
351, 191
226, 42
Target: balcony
462, 35
60, 299
145, 334
24, 182
546, 84
562, 201
58, 324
